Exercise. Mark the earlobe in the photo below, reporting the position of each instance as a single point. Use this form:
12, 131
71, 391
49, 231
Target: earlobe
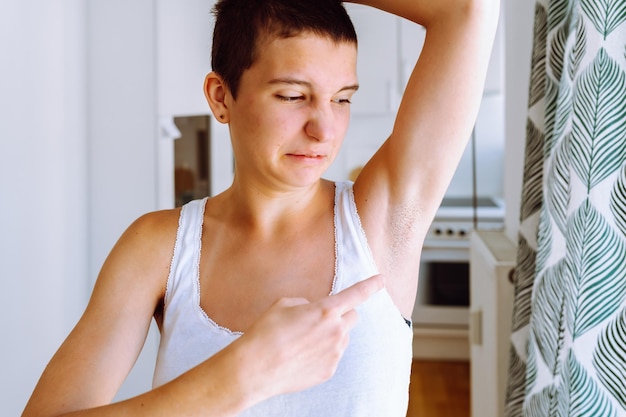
215, 92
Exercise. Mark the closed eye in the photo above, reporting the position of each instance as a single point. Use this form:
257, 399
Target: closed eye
289, 99
342, 101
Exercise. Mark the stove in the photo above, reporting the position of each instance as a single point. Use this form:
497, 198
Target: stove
443, 293
458, 216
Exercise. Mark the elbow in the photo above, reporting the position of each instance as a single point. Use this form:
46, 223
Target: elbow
486, 10
477, 16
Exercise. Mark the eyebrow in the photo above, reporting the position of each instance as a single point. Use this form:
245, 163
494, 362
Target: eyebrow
294, 81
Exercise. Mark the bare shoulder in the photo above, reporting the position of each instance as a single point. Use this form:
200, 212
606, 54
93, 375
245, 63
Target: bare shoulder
145, 249
156, 229
134, 275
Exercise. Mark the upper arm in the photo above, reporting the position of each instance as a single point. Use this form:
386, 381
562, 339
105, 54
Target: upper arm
96, 357
438, 107
406, 179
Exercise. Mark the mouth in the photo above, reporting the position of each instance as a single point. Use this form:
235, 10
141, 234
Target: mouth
306, 156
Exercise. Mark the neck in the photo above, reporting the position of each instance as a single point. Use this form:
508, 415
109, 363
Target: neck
271, 211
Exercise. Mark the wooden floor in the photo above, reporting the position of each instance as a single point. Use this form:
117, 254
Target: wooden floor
439, 389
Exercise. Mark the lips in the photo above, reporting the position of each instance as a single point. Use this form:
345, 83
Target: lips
308, 155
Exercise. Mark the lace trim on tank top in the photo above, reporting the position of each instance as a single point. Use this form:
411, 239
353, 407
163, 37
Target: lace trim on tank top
175, 254
197, 266
362, 230
197, 305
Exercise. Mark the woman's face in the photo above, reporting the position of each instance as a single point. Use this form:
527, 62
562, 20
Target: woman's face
292, 109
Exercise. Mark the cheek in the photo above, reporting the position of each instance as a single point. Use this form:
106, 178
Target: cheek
285, 124
344, 124
263, 116
251, 126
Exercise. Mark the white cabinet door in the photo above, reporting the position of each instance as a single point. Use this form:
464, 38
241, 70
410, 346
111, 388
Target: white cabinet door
410, 43
494, 82
492, 258
377, 65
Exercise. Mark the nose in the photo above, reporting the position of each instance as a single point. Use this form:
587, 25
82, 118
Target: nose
321, 123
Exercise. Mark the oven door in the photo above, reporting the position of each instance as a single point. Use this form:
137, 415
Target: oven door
443, 292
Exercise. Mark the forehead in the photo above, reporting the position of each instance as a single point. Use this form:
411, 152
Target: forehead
306, 55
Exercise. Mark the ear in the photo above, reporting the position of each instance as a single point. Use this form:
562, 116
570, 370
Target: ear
215, 91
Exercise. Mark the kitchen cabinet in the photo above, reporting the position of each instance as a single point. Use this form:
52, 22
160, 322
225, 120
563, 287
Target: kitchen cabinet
410, 42
495, 71
377, 62
389, 47
492, 259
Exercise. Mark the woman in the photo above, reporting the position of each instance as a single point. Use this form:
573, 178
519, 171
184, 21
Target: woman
284, 73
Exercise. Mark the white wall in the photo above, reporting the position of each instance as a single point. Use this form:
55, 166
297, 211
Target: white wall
122, 118
43, 187
122, 150
77, 165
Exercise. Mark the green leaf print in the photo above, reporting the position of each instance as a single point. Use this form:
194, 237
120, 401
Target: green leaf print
549, 402
524, 278
563, 113
538, 404
531, 364
597, 258
579, 49
538, 63
586, 398
609, 358
574, 280
553, 113
599, 125
557, 51
516, 374
606, 15
545, 239
548, 314
618, 202
557, 13
558, 184
532, 191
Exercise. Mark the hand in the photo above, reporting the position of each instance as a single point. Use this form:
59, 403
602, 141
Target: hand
298, 344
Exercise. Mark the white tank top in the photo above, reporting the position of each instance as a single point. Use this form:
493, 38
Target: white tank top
372, 378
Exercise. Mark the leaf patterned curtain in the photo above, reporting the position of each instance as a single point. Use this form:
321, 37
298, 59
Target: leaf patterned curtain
568, 350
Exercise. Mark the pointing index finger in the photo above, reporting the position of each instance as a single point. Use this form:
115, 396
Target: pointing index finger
356, 294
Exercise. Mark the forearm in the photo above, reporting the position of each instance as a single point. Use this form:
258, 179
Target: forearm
293, 346
217, 387
442, 96
428, 12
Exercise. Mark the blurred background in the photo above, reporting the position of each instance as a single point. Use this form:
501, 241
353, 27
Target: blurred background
102, 118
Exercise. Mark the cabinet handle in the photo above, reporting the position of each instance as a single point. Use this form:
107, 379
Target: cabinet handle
476, 327
511, 275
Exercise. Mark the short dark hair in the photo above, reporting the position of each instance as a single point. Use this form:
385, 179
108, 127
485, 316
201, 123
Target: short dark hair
240, 26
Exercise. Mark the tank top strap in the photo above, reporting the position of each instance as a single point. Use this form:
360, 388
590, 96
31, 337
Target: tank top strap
186, 251
355, 261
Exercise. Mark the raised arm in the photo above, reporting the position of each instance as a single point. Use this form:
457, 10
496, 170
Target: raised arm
406, 179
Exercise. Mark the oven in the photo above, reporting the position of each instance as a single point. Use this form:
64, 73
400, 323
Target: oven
442, 299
